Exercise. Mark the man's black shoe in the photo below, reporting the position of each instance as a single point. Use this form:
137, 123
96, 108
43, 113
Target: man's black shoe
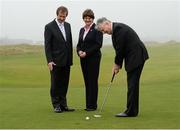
57, 110
89, 109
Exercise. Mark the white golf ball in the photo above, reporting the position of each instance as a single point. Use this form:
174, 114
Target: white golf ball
87, 118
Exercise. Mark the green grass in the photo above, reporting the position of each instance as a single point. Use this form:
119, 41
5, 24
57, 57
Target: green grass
25, 100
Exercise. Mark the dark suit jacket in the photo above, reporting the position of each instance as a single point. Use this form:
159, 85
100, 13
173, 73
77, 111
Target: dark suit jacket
128, 46
56, 48
92, 42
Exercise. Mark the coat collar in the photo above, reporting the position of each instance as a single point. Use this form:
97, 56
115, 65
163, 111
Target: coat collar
56, 27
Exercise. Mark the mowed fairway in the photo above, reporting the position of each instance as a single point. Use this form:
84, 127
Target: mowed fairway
25, 100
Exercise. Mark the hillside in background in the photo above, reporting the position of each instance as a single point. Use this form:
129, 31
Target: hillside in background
9, 41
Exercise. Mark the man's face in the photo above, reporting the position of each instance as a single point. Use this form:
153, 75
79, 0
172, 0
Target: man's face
61, 17
105, 28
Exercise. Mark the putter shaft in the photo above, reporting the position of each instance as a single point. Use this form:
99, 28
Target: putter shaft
105, 98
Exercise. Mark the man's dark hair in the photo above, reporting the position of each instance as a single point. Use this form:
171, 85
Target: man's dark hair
62, 9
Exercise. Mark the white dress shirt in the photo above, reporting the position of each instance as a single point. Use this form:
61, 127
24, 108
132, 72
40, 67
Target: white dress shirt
61, 27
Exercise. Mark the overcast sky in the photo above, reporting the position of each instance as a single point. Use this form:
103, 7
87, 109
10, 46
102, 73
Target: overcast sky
153, 20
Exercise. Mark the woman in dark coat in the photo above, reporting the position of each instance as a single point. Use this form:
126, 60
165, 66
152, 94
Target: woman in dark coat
88, 49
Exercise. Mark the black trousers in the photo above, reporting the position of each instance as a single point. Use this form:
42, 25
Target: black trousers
133, 78
59, 85
90, 68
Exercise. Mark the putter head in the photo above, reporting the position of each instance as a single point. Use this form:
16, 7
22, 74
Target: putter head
97, 116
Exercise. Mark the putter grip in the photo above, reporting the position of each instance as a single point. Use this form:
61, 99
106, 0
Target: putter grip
112, 77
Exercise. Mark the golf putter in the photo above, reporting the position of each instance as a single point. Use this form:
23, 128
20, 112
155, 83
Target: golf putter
105, 98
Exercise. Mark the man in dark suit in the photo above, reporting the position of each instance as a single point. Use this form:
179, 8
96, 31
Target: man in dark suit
130, 48
58, 49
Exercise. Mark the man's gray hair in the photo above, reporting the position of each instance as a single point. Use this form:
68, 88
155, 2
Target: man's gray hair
101, 21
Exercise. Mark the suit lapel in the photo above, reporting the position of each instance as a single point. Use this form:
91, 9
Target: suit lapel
66, 30
92, 27
58, 30
81, 33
